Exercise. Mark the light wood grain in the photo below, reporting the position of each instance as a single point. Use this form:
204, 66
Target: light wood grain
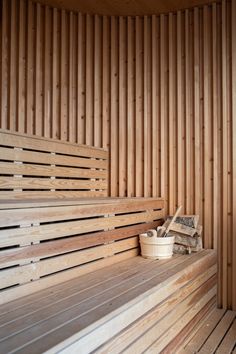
56, 230
61, 277
52, 248
204, 331
229, 341
233, 12
215, 338
155, 284
36, 211
129, 335
203, 155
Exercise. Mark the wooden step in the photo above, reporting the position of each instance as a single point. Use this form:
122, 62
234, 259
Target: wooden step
112, 309
216, 333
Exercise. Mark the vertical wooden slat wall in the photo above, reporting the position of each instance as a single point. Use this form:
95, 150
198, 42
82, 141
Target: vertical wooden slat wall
158, 91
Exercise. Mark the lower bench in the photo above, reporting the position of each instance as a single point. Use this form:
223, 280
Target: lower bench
134, 306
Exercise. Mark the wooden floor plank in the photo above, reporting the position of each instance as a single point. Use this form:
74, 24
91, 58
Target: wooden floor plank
188, 313
187, 339
163, 329
190, 329
216, 336
203, 333
229, 341
69, 321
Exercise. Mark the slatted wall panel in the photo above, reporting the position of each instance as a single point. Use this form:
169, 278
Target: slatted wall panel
159, 91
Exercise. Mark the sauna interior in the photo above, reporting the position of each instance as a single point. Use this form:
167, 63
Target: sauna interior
112, 115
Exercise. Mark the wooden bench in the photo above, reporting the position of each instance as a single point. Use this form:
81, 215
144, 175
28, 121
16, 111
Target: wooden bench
71, 279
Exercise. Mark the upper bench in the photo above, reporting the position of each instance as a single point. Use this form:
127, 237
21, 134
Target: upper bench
32, 167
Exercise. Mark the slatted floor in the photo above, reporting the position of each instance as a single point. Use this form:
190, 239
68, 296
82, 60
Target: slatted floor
92, 309
215, 334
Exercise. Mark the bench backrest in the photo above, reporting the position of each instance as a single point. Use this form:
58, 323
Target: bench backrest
45, 245
32, 167
47, 234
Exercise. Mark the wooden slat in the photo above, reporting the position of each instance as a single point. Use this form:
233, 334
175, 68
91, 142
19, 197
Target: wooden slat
215, 196
38, 195
36, 212
38, 124
36, 270
71, 114
21, 70
30, 72
47, 170
4, 65
130, 108
171, 195
224, 249
89, 82
58, 278
50, 159
107, 294
80, 81
47, 183
122, 107
54, 87
197, 148
146, 107
233, 12
187, 113
12, 69
205, 330
206, 114
215, 338
78, 289
162, 106
122, 313
183, 320
176, 344
97, 82
186, 339
63, 78
86, 281
229, 341
45, 232
6, 204
64, 300
104, 316
155, 143
129, 335
46, 75
114, 110
138, 110
31, 142
105, 82
51, 248
180, 165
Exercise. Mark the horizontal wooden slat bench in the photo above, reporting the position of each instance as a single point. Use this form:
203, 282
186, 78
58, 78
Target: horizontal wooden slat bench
70, 276
134, 306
